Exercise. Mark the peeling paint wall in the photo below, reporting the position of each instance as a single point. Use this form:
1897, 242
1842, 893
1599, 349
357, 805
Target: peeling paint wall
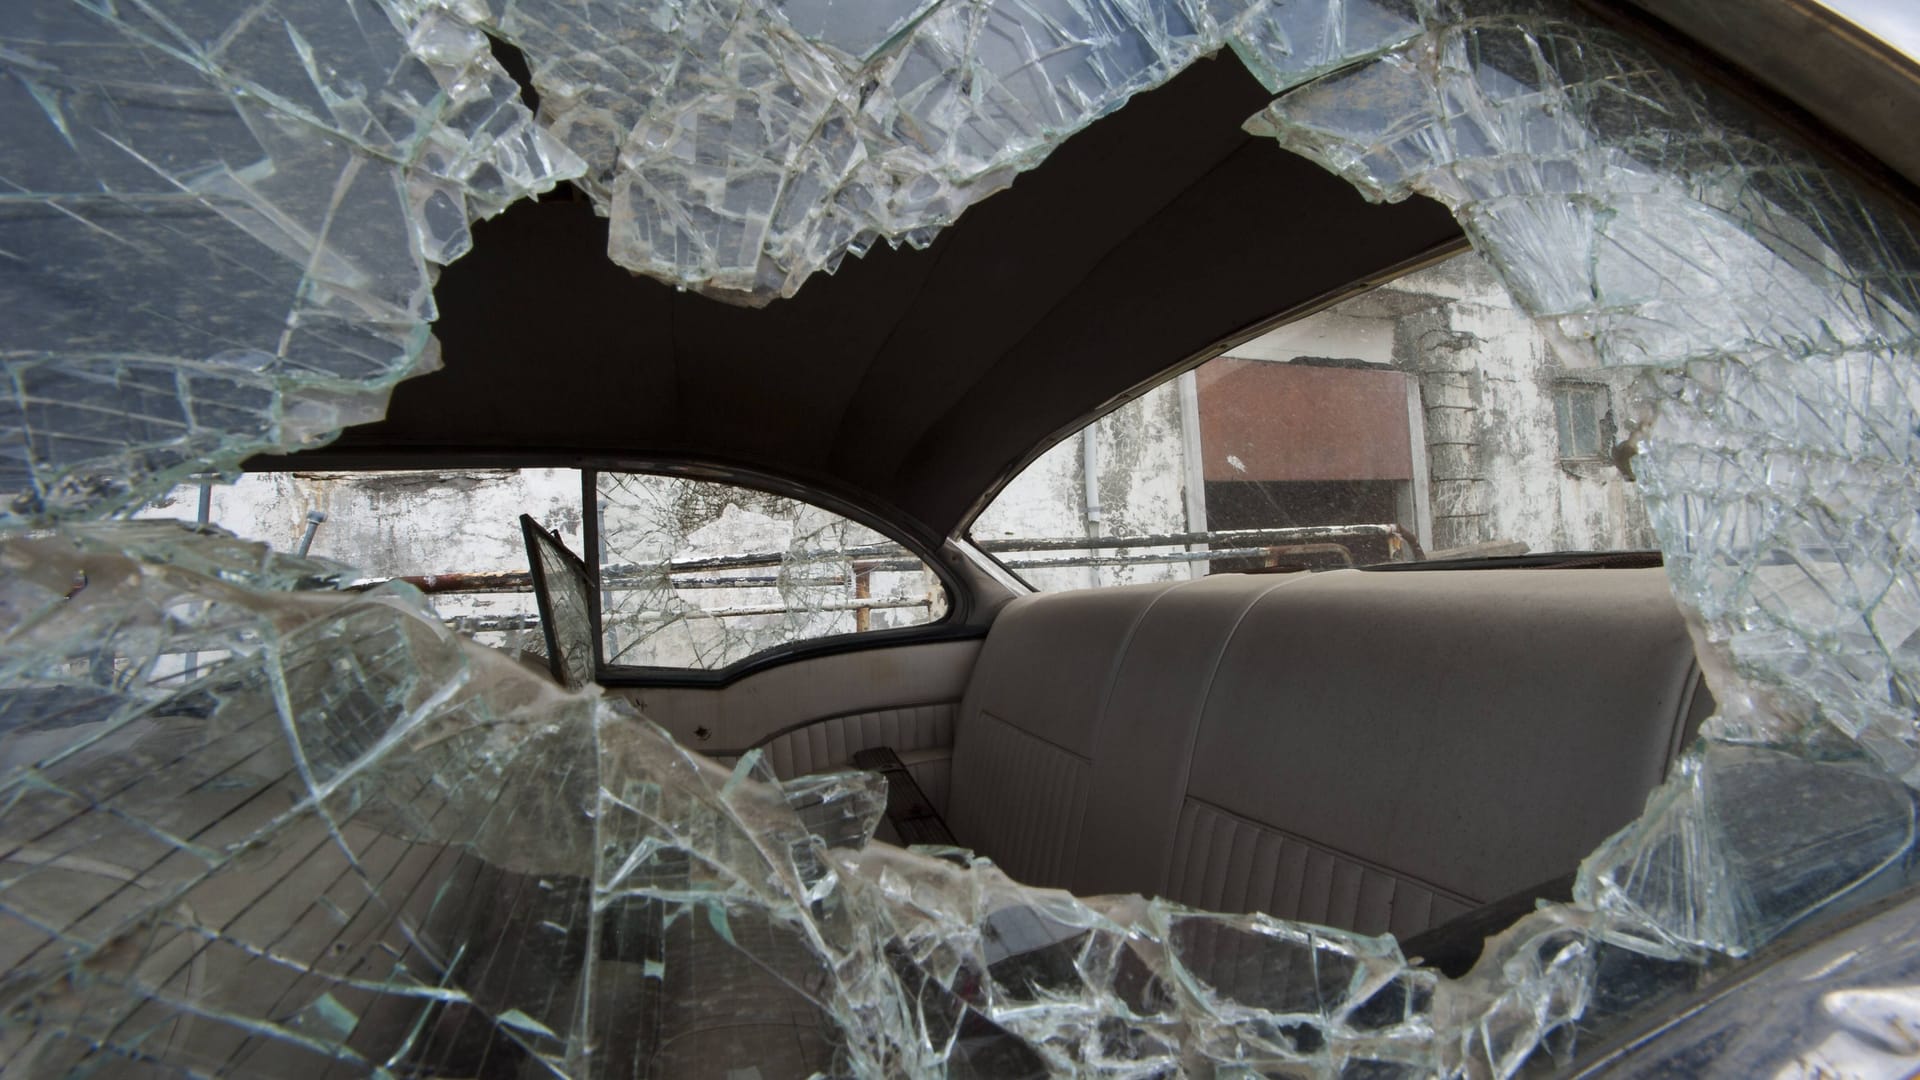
393, 523
1499, 455
1139, 476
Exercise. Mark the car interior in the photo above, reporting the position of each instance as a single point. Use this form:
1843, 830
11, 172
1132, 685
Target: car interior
1404, 750
265, 817
1423, 747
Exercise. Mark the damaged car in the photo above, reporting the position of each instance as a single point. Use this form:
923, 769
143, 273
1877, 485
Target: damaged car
1438, 595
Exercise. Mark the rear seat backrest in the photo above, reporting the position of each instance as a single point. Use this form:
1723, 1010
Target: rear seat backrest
1369, 750
1145, 738
1029, 713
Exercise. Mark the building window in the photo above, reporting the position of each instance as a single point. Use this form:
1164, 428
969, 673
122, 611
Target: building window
1584, 414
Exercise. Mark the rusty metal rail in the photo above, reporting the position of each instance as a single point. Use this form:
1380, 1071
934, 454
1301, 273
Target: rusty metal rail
866, 560
895, 558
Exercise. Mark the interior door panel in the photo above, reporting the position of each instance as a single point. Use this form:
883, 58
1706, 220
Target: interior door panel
811, 715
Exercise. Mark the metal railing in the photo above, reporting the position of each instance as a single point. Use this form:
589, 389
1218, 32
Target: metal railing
1319, 544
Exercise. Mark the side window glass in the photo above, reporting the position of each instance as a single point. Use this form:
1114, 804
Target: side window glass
565, 596
699, 575
1425, 419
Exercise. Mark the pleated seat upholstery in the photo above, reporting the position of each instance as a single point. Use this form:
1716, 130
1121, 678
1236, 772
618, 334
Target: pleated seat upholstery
1373, 751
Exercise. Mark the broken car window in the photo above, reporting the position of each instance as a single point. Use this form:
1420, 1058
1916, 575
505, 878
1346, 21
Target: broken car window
699, 575
564, 589
355, 843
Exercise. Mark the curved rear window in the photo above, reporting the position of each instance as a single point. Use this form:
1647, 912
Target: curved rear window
1426, 419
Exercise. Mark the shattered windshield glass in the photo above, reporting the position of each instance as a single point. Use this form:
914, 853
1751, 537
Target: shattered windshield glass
252, 822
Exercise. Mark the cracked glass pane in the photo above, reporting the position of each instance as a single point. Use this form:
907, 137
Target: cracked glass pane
738, 150
696, 574
565, 591
257, 823
219, 227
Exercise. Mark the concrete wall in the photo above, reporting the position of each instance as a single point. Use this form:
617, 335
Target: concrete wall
1487, 380
1138, 482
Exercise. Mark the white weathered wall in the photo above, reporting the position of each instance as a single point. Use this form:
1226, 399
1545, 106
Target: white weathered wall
388, 524
1141, 480
1479, 349
392, 523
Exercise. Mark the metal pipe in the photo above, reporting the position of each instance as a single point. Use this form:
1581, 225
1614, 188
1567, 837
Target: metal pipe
611, 641
1090, 477
191, 662
314, 518
1289, 535
1181, 556
862, 590
1194, 471
613, 576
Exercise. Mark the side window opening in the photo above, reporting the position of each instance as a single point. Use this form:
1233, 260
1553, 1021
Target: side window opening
1425, 419
698, 575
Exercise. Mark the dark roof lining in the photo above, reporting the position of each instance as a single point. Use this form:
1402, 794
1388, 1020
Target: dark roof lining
910, 380
1001, 382
1012, 255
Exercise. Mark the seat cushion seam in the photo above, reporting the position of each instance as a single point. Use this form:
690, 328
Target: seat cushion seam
1003, 722
1438, 890
803, 725
1200, 708
1120, 660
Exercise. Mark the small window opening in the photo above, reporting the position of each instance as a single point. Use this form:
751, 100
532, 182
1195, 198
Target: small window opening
1584, 415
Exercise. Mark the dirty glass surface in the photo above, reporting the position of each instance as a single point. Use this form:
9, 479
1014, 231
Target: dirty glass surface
219, 227
347, 841
698, 574
1427, 418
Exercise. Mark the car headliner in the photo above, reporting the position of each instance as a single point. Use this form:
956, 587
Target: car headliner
912, 383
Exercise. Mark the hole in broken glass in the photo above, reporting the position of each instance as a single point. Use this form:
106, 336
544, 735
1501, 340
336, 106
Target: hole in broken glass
309, 847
